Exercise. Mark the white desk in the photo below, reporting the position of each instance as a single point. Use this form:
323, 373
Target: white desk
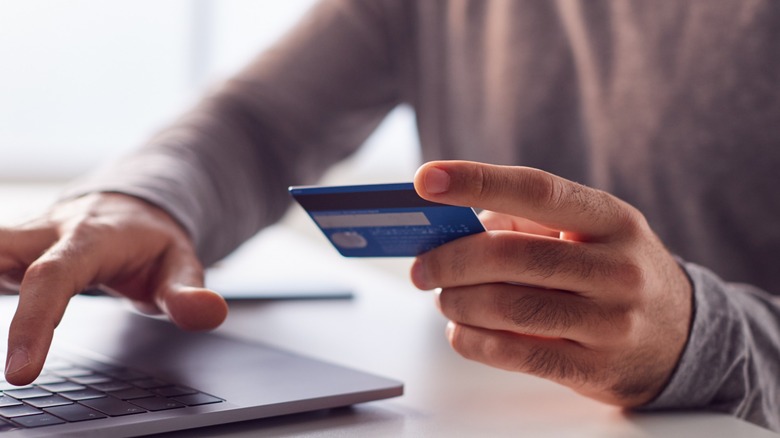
392, 329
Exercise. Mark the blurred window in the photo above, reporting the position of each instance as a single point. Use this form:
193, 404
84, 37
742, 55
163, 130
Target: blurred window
81, 81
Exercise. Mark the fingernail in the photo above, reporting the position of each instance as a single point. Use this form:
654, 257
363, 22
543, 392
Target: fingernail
18, 360
436, 181
419, 277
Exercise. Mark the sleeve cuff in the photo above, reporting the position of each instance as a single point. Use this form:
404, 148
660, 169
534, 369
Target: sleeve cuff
713, 350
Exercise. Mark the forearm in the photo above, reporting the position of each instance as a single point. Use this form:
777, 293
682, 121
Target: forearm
207, 175
732, 360
223, 169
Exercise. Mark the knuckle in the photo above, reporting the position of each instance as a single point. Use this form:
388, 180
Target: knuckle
543, 362
86, 227
486, 349
624, 322
544, 189
556, 365
481, 182
496, 352
555, 191
544, 258
459, 343
488, 182
537, 187
433, 268
616, 325
448, 267
458, 263
630, 221
47, 268
48, 271
62, 266
453, 305
534, 313
492, 350
523, 311
623, 274
629, 276
502, 251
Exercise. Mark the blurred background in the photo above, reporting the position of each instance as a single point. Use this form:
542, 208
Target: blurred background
83, 81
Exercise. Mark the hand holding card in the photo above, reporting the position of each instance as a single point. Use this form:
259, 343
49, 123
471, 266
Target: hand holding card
384, 220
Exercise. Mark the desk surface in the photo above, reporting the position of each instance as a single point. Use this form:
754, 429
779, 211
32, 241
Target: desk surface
392, 329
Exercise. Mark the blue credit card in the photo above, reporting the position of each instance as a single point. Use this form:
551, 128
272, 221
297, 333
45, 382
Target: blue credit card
384, 220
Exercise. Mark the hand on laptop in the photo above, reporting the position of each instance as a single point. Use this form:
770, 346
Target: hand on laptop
120, 241
586, 296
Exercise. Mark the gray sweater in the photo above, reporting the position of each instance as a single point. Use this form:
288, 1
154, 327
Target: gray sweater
672, 106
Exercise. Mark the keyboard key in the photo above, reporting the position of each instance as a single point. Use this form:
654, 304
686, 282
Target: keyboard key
173, 391
104, 368
7, 427
18, 411
55, 363
25, 393
111, 385
150, 383
8, 401
73, 372
75, 412
91, 379
131, 393
126, 374
62, 387
112, 406
38, 420
83, 394
45, 379
45, 402
197, 399
5, 386
157, 403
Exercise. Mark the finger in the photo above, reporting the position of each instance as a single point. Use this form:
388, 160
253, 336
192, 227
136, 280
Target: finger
498, 221
505, 256
21, 246
181, 295
551, 201
528, 311
46, 288
559, 360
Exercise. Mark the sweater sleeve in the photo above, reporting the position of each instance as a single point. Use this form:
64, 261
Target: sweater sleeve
223, 169
732, 360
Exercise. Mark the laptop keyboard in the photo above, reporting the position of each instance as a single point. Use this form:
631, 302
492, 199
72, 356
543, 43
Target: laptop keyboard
69, 392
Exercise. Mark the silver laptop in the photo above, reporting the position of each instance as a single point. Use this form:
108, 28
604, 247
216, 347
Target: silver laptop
133, 375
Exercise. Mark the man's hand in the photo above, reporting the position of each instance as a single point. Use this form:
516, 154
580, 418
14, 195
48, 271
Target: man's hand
119, 241
568, 283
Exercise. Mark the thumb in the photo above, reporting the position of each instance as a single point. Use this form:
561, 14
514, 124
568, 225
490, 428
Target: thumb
181, 295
